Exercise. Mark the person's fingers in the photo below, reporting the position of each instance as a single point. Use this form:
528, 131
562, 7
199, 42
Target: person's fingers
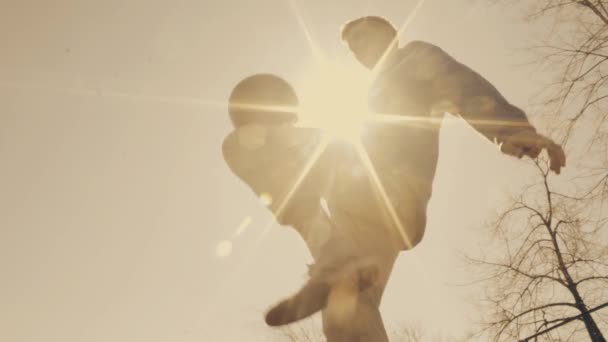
557, 157
524, 143
533, 151
512, 149
532, 145
555, 166
308, 300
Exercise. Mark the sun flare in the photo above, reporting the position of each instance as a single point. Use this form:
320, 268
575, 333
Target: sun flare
334, 98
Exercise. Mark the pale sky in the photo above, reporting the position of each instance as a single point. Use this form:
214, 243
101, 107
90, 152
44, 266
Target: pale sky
114, 195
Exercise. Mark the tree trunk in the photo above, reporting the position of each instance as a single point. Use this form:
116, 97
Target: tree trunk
594, 332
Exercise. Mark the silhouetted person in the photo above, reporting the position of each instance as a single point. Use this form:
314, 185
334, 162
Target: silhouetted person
275, 159
413, 88
271, 155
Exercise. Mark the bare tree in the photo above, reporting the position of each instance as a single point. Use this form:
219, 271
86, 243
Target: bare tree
414, 333
573, 49
309, 330
407, 334
547, 265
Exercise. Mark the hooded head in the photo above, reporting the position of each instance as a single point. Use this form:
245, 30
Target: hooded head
263, 99
369, 39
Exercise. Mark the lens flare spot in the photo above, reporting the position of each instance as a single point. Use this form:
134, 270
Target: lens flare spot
241, 228
325, 206
224, 249
266, 198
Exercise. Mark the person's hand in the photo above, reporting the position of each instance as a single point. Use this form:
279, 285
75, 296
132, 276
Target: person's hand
530, 144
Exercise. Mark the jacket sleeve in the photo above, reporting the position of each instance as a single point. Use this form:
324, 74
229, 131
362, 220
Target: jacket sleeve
459, 90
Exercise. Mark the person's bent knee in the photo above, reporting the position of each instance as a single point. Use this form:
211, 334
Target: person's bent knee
412, 234
417, 237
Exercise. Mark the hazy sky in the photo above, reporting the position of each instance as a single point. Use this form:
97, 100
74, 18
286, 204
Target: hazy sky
114, 194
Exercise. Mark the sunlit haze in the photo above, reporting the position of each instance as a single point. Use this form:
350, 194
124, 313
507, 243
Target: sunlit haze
119, 218
334, 98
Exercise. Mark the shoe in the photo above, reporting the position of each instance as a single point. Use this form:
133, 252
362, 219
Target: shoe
313, 296
310, 299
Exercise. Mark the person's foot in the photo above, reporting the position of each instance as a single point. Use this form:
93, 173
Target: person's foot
310, 299
313, 296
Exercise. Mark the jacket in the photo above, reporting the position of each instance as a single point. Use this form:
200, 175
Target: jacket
411, 93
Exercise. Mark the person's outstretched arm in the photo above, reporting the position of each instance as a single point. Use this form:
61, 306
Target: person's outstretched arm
460, 90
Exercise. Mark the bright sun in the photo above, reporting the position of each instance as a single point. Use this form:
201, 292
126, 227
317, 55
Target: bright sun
334, 98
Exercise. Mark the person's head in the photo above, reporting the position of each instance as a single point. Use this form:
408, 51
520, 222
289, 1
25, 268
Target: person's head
264, 99
369, 38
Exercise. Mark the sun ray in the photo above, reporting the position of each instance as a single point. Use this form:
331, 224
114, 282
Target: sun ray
430, 123
314, 157
319, 149
116, 94
402, 29
375, 179
436, 121
314, 47
241, 228
411, 16
266, 108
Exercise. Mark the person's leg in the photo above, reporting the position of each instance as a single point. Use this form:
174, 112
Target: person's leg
315, 231
352, 312
352, 266
355, 316
337, 260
